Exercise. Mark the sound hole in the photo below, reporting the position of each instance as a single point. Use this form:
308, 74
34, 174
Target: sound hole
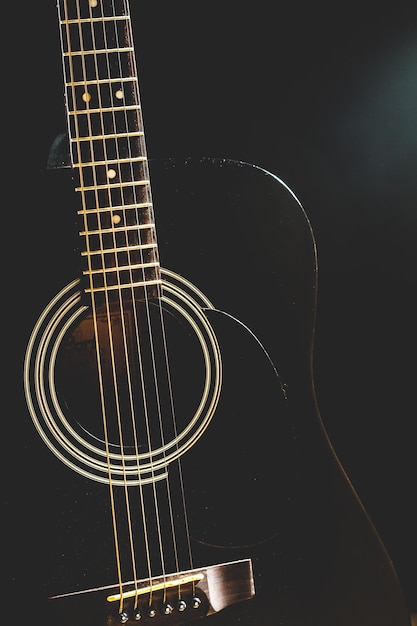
133, 377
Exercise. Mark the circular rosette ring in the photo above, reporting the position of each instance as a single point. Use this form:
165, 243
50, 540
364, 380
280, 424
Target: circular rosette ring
75, 446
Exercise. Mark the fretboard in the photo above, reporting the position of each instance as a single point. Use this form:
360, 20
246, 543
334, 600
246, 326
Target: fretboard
107, 147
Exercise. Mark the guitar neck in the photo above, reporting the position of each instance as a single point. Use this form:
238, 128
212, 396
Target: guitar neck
107, 147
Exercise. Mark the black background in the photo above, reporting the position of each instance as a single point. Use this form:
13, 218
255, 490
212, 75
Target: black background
325, 96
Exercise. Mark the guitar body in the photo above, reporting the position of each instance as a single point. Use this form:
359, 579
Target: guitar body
257, 472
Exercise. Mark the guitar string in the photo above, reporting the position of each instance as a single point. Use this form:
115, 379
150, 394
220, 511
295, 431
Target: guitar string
77, 135
179, 464
169, 382
88, 250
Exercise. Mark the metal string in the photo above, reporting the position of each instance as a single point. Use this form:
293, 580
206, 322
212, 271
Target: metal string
90, 269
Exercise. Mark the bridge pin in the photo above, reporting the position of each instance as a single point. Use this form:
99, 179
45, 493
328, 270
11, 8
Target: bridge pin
196, 602
182, 605
168, 608
123, 617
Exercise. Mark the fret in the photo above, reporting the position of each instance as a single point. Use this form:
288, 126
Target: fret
140, 159
109, 136
137, 183
141, 283
105, 231
83, 83
85, 53
89, 20
134, 107
145, 246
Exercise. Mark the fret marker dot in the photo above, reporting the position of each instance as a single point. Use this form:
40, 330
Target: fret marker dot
93, 3
119, 94
116, 219
111, 173
86, 96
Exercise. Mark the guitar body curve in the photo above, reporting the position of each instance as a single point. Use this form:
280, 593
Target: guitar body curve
261, 479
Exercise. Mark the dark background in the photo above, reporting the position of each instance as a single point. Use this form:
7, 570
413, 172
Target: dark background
325, 96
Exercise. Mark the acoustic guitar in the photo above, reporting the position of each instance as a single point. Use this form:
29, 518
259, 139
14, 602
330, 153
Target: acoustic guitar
186, 474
